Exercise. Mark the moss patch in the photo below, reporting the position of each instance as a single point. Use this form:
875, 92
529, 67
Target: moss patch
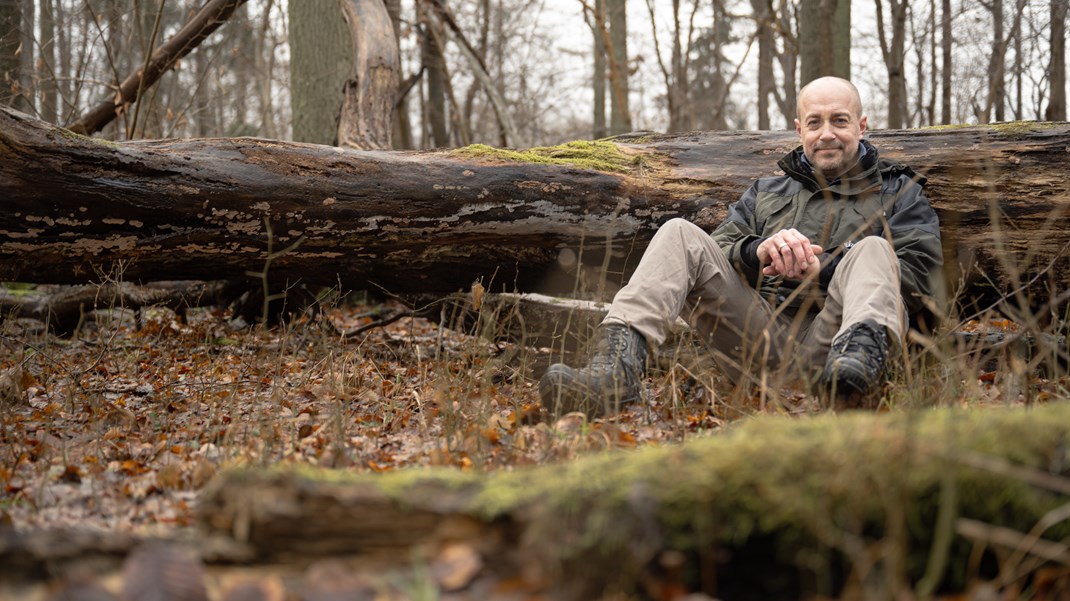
596, 156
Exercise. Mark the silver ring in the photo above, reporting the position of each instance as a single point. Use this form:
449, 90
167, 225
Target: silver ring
781, 247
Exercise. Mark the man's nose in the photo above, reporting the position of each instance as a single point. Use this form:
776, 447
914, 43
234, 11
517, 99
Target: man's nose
826, 132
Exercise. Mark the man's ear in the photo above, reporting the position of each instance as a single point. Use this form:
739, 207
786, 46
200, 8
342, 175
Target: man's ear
861, 124
798, 128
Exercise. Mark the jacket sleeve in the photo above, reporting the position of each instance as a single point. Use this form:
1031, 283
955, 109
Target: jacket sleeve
738, 233
915, 233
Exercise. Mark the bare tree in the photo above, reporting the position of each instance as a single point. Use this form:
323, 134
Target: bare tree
788, 58
894, 56
997, 85
1056, 110
946, 42
10, 42
46, 66
825, 38
620, 116
762, 11
319, 64
676, 74
434, 65
598, 75
213, 14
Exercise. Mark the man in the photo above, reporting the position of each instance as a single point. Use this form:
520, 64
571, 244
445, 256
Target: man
811, 275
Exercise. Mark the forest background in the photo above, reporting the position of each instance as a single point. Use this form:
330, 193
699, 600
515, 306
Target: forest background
673, 65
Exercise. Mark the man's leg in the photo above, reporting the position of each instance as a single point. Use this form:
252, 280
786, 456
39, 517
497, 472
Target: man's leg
863, 314
682, 272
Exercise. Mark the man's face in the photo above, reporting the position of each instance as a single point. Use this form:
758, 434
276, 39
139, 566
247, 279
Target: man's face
830, 126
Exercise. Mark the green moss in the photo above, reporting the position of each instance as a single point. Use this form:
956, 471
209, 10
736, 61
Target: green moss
597, 156
70, 135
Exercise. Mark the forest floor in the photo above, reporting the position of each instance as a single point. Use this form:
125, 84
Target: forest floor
118, 428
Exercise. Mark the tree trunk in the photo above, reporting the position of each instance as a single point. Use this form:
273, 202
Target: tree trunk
1057, 67
320, 61
435, 66
763, 18
367, 116
788, 59
894, 55
825, 39
946, 40
49, 91
620, 116
598, 76
74, 208
26, 100
10, 40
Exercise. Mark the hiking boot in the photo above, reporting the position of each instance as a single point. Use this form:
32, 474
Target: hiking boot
856, 362
612, 378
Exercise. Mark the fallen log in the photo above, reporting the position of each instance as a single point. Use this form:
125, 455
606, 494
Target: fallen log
73, 208
65, 309
773, 508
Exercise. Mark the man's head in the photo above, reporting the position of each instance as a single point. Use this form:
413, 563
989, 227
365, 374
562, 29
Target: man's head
830, 124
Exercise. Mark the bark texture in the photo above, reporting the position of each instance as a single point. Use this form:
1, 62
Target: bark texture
433, 222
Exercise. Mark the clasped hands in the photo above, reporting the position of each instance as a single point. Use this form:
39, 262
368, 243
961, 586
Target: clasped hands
789, 254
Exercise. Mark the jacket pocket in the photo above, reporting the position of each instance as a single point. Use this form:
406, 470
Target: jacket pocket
773, 213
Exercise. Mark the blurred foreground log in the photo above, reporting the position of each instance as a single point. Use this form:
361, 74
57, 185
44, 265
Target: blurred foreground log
741, 515
773, 507
76, 209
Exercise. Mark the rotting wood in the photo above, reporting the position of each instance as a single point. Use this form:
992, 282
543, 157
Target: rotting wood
67, 307
433, 222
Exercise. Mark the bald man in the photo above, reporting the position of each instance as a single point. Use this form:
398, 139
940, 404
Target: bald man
809, 280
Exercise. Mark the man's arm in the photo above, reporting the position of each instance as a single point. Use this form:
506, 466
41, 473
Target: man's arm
787, 252
915, 232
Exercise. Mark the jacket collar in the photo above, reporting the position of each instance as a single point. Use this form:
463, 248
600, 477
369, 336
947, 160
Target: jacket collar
861, 176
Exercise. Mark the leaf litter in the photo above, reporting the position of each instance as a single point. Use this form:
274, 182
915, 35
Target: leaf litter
120, 427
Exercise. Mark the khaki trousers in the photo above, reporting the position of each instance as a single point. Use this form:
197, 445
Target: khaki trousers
683, 273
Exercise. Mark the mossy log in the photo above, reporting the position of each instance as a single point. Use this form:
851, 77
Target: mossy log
775, 507
74, 209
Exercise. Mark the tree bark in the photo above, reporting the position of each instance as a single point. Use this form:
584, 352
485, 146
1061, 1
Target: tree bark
946, 40
10, 42
598, 76
620, 115
1057, 66
824, 39
72, 208
763, 18
894, 55
321, 59
371, 89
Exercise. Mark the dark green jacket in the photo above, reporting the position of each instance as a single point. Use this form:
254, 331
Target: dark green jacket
878, 197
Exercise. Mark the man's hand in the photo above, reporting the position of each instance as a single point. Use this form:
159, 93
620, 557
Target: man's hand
789, 254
